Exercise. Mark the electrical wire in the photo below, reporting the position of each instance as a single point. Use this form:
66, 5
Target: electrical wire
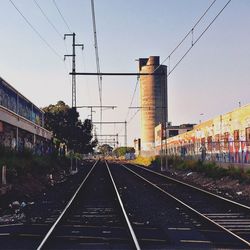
48, 20
99, 77
172, 52
204, 31
86, 80
133, 96
60, 13
193, 42
185, 37
36, 31
52, 25
136, 112
96, 50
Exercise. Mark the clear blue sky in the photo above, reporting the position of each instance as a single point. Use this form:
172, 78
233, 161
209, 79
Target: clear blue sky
212, 79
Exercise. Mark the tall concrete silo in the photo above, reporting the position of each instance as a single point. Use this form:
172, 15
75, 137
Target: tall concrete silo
153, 100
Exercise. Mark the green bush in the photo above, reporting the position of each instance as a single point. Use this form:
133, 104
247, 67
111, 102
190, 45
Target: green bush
23, 163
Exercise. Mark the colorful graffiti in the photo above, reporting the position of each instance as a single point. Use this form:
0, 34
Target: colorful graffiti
225, 138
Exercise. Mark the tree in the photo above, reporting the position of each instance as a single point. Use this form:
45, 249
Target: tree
121, 151
105, 149
56, 118
67, 128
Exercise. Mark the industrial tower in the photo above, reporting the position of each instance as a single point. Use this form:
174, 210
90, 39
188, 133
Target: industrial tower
153, 100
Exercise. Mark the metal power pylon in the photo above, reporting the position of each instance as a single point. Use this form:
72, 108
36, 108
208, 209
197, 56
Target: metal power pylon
74, 45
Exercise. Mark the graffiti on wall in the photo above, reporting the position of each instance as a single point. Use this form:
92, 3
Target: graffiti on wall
226, 138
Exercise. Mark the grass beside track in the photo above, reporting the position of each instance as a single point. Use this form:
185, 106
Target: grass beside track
24, 163
210, 169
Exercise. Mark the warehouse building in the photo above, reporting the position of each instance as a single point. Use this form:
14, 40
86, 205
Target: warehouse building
21, 122
224, 138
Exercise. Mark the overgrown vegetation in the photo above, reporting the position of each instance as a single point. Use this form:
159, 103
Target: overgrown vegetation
210, 169
23, 163
105, 149
121, 151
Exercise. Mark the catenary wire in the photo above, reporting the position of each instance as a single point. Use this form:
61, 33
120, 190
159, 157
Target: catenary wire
99, 77
36, 31
200, 36
60, 13
52, 25
171, 53
136, 112
48, 20
133, 96
86, 80
193, 42
185, 37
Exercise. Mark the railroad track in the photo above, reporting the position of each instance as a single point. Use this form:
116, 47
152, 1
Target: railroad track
94, 218
223, 214
39, 216
128, 207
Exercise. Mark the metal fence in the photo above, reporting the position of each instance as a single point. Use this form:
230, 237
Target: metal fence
221, 151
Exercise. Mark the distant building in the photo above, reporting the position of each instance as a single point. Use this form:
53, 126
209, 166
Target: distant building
153, 100
171, 131
21, 122
177, 130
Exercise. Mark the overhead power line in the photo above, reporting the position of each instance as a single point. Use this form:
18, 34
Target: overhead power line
60, 13
185, 37
48, 20
133, 96
99, 77
200, 36
52, 25
133, 116
36, 31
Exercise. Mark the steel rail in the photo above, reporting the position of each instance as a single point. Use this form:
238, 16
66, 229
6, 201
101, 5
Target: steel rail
196, 188
190, 208
131, 230
49, 233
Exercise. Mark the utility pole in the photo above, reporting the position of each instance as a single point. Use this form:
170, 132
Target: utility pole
117, 142
73, 66
166, 116
91, 113
73, 55
126, 136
